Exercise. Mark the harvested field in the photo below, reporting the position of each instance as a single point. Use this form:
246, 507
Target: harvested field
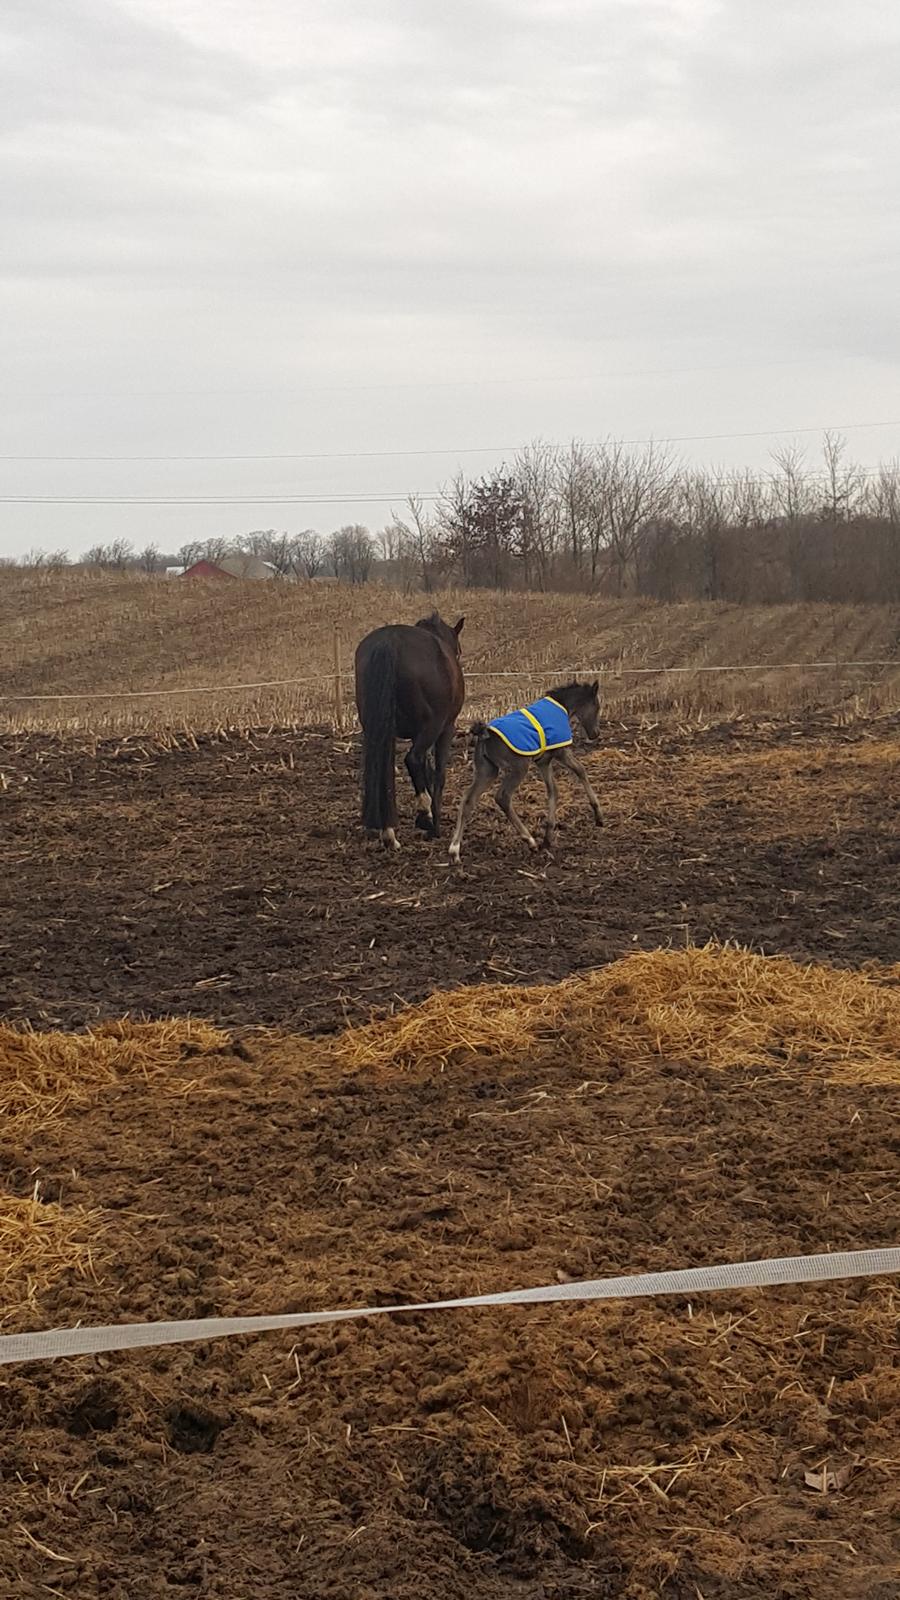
273, 645
227, 878
741, 1446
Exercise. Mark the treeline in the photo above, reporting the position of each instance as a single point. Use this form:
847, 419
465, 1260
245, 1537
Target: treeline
617, 520
611, 519
348, 554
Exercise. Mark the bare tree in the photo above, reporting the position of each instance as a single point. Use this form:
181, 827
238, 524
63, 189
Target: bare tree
481, 527
536, 471
704, 500
418, 542
843, 481
279, 553
216, 548
34, 560
352, 551
884, 494
635, 488
574, 488
276, 549
389, 539
119, 554
454, 531
308, 554
148, 560
790, 484
49, 561
113, 557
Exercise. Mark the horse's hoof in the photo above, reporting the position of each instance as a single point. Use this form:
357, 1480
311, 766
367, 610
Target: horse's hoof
425, 823
598, 819
389, 839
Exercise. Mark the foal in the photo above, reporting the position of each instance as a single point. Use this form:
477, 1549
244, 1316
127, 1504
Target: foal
539, 735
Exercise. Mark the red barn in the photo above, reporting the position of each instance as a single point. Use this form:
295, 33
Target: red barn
205, 569
236, 565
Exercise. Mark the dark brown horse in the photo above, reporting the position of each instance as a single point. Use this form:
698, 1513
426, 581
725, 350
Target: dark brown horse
409, 685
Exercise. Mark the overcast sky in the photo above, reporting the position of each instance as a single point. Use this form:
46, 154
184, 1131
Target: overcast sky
322, 226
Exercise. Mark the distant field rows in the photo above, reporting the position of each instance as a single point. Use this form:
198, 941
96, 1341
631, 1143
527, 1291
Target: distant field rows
85, 635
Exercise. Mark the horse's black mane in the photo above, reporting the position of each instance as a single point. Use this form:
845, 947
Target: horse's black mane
573, 693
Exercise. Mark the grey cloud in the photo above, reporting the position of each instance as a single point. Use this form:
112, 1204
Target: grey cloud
201, 195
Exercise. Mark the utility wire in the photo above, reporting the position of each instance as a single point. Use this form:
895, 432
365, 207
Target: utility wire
475, 449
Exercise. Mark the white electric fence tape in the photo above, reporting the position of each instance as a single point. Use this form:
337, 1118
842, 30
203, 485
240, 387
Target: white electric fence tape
529, 674
691, 1280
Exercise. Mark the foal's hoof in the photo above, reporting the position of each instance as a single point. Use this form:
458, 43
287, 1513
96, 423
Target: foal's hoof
425, 823
598, 819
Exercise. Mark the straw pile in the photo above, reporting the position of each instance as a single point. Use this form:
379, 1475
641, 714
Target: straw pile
716, 1006
45, 1074
39, 1244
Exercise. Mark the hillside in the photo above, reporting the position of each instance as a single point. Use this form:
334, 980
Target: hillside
81, 635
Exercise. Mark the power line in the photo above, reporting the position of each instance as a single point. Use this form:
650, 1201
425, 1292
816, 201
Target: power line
266, 499
520, 379
442, 450
211, 500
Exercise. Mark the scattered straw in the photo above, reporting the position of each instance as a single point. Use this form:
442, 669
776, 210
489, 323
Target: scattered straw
45, 1074
39, 1244
717, 1006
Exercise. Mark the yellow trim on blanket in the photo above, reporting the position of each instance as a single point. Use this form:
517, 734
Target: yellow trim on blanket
542, 737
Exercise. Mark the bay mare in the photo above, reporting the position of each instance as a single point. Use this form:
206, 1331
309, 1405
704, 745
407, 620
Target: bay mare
409, 685
493, 760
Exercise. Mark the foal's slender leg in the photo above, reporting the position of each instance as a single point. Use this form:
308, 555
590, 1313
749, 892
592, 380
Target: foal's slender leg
514, 775
570, 761
549, 778
485, 774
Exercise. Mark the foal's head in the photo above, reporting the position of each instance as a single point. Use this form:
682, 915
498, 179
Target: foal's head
581, 700
443, 631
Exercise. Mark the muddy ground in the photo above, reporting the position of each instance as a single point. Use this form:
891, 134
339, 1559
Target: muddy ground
230, 880
654, 1449
627, 1451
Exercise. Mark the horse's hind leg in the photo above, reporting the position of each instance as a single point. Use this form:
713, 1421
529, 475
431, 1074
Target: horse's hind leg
417, 767
508, 787
441, 758
485, 773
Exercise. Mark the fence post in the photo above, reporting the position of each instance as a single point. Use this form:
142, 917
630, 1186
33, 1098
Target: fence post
338, 689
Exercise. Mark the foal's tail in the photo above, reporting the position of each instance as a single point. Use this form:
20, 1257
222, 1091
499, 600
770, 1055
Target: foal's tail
378, 714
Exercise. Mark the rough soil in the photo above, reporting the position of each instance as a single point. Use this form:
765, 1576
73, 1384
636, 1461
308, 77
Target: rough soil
230, 880
632, 1450
641, 1450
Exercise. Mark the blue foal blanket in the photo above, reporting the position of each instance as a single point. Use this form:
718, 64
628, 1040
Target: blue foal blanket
542, 726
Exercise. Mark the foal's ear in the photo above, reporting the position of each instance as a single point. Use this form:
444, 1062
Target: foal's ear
458, 626
595, 686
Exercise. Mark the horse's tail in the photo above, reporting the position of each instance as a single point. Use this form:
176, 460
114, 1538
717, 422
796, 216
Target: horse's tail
378, 714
